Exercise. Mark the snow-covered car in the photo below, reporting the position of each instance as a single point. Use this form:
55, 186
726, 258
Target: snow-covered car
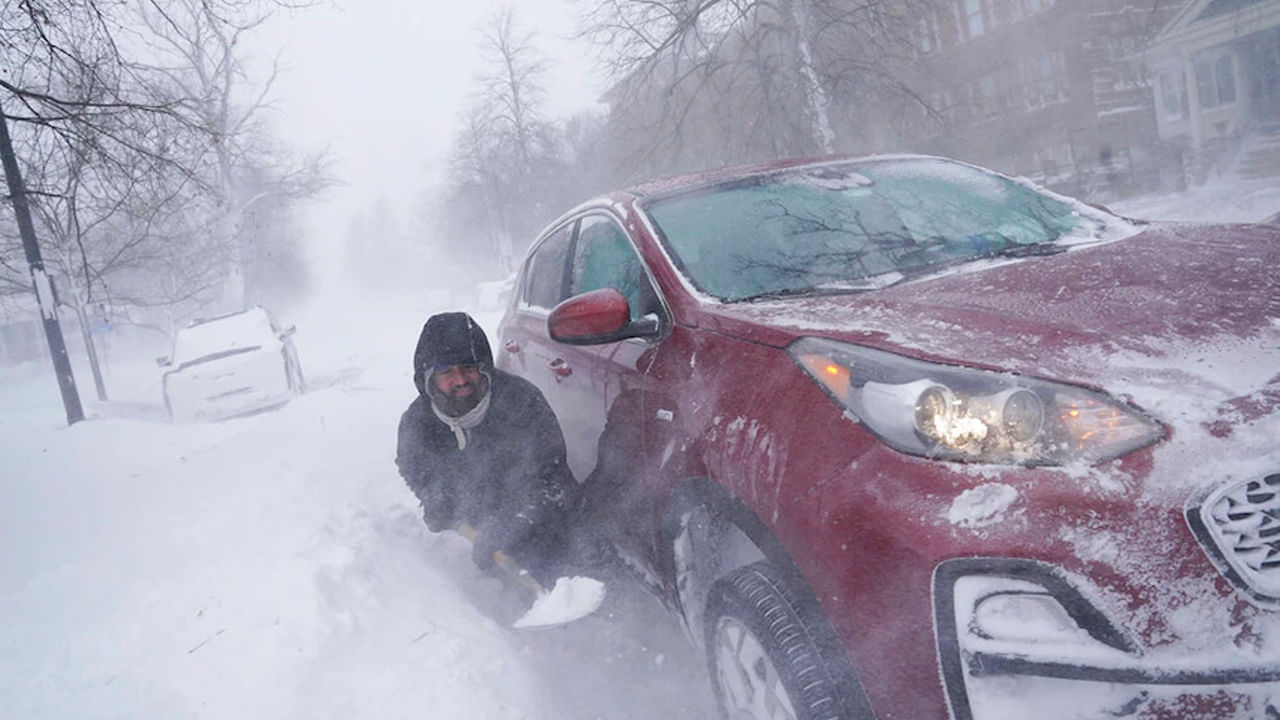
899, 437
231, 365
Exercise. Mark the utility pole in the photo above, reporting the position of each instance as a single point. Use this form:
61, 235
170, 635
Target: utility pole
40, 279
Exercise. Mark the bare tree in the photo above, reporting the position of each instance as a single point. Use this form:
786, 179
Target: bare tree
199, 45
64, 71
504, 157
714, 81
106, 215
67, 67
128, 161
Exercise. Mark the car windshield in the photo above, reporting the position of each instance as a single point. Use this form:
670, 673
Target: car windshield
857, 226
243, 330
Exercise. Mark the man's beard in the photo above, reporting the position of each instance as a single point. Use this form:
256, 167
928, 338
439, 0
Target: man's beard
456, 406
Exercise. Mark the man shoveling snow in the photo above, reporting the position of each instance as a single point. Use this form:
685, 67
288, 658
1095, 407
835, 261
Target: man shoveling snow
483, 453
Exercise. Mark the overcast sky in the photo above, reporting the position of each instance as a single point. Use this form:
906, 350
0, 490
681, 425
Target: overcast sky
383, 82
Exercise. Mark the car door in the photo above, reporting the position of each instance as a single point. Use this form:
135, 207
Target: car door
526, 349
605, 256
579, 256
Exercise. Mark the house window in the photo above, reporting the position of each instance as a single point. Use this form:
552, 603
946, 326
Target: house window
1215, 79
986, 96
1053, 77
973, 18
945, 27
1040, 81
1224, 75
1173, 94
928, 31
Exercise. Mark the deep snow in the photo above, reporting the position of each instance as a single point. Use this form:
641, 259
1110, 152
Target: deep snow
274, 566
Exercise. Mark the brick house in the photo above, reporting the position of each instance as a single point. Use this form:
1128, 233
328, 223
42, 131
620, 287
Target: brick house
1043, 88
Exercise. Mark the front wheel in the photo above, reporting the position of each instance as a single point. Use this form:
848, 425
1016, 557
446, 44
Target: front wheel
765, 657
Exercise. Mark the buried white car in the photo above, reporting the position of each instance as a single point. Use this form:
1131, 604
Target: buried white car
231, 365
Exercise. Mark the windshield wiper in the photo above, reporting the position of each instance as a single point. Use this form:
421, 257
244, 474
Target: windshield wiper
792, 293
1008, 251
894, 277
1020, 251
836, 287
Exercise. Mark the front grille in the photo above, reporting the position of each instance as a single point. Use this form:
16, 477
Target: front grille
1240, 526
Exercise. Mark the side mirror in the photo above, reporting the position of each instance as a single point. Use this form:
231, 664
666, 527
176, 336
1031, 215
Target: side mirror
596, 317
164, 361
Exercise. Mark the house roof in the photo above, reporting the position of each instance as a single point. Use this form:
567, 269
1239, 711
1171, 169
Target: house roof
1207, 22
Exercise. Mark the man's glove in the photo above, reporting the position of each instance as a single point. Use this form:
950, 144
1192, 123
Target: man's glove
483, 549
517, 531
437, 510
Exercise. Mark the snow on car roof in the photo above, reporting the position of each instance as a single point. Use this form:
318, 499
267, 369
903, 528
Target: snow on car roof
229, 332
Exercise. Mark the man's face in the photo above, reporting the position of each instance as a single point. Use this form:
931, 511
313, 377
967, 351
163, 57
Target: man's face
458, 381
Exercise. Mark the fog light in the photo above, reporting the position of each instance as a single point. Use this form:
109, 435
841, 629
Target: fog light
1024, 617
1007, 627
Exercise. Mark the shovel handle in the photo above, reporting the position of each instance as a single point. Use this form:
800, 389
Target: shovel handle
505, 562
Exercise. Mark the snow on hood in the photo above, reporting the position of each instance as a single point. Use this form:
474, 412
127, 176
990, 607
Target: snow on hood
1180, 309
1181, 320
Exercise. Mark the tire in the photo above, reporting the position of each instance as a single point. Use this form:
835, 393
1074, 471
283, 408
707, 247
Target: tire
765, 657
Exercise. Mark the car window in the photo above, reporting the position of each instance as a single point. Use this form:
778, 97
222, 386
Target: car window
544, 282
252, 328
604, 258
847, 226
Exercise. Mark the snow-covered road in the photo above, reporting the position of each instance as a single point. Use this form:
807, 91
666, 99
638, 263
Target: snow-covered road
274, 566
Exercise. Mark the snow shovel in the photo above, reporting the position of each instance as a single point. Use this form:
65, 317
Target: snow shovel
571, 598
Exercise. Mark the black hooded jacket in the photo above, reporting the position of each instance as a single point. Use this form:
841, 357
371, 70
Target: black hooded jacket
512, 480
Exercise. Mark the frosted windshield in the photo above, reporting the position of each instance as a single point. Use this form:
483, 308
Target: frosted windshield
851, 226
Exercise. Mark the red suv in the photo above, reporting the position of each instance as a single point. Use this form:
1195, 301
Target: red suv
899, 437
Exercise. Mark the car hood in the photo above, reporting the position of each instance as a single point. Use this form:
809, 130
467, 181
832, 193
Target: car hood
1183, 319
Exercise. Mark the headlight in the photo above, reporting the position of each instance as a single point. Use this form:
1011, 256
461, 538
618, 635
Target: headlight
954, 413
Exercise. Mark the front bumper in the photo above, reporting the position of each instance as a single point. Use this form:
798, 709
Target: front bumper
1094, 667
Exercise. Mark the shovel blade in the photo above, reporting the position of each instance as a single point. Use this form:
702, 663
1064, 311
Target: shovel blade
570, 599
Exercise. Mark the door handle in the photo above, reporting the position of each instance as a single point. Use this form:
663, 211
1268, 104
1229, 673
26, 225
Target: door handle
560, 368
511, 346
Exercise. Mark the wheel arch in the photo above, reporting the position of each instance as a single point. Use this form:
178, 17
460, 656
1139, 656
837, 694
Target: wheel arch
704, 517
